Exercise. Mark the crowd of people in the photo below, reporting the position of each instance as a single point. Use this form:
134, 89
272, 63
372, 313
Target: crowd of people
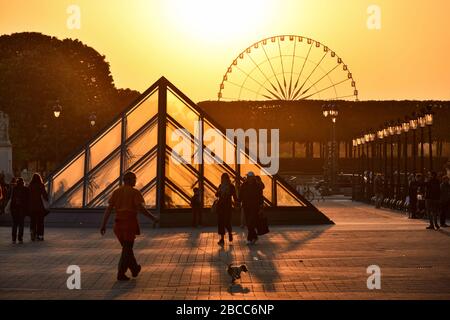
23, 200
427, 196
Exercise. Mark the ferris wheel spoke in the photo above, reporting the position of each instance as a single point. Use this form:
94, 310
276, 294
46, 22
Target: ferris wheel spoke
319, 80
312, 72
282, 65
259, 68
242, 87
273, 71
249, 76
301, 71
321, 90
292, 69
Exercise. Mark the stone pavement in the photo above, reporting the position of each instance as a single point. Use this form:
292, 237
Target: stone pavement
304, 262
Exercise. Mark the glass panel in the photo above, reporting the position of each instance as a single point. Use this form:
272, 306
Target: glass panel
72, 200
102, 201
67, 178
137, 117
213, 172
218, 146
181, 112
141, 145
259, 171
105, 145
181, 176
102, 178
183, 146
209, 196
146, 172
286, 198
174, 200
150, 197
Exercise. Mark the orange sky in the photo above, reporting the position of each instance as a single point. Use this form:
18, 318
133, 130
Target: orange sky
193, 42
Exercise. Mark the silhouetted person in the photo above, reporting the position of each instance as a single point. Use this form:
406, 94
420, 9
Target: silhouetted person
127, 202
421, 186
37, 209
412, 192
432, 200
3, 193
196, 205
251, 197
445, 201
20, 201
226, 193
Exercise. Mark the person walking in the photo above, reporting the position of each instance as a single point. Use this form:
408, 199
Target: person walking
432, 199
20, 196
3, 193
226, 193
196, 205
37, 208
445, 201
251, 197
127, 202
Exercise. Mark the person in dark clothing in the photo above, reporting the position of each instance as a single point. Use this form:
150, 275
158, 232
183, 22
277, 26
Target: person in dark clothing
412, 192
196, 205
445, 201
37, 209
251, 197
226, 193
3, 193
19, 208
432, 200
421, 186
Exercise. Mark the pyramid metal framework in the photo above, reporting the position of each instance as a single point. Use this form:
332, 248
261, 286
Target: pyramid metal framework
139, 140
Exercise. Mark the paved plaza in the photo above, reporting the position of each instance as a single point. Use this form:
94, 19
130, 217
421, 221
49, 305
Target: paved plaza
295, 262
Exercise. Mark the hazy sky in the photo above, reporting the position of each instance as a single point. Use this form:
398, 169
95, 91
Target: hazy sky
193, 42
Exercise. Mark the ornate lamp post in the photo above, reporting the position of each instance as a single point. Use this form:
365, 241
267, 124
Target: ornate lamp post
429, 117
422, 123
380, 136
385, 136
92, 119
391, 130
57, 110
331, 111
405, 127
398, 132
413, 124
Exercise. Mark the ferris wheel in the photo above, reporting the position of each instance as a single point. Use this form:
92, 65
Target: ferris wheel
288, 67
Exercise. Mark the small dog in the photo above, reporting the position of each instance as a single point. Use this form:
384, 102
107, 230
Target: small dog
235, 271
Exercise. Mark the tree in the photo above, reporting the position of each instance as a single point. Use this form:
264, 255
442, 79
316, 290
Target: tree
37, 70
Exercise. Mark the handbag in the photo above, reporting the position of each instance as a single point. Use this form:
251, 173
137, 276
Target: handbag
262, 226
45, 204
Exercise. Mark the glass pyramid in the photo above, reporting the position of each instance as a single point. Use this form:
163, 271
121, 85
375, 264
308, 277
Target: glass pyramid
142, 140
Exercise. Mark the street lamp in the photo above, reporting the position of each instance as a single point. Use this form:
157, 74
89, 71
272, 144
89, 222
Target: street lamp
57, 109
391, 130
405, 127
331, 111
380, 136
398, 132
92, 119
429, 117
422, 123
413, 124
